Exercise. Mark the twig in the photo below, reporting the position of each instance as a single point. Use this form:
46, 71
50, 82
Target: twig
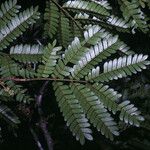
36, 139
43, 123
42, 79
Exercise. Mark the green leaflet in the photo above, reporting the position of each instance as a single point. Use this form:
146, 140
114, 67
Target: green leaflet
17, 26
10, 68
132, 12
75, 30
72, 112
129, 114
18, 92
106, 95
61, 70
76, 50
113, 22
51, 17
119, 68
98, 9
95, 55
49, 60
8, 10
59, 24
95, 111
27, 53
64, 31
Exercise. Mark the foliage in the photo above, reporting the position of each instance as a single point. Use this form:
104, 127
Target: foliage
84, 52
12, 24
